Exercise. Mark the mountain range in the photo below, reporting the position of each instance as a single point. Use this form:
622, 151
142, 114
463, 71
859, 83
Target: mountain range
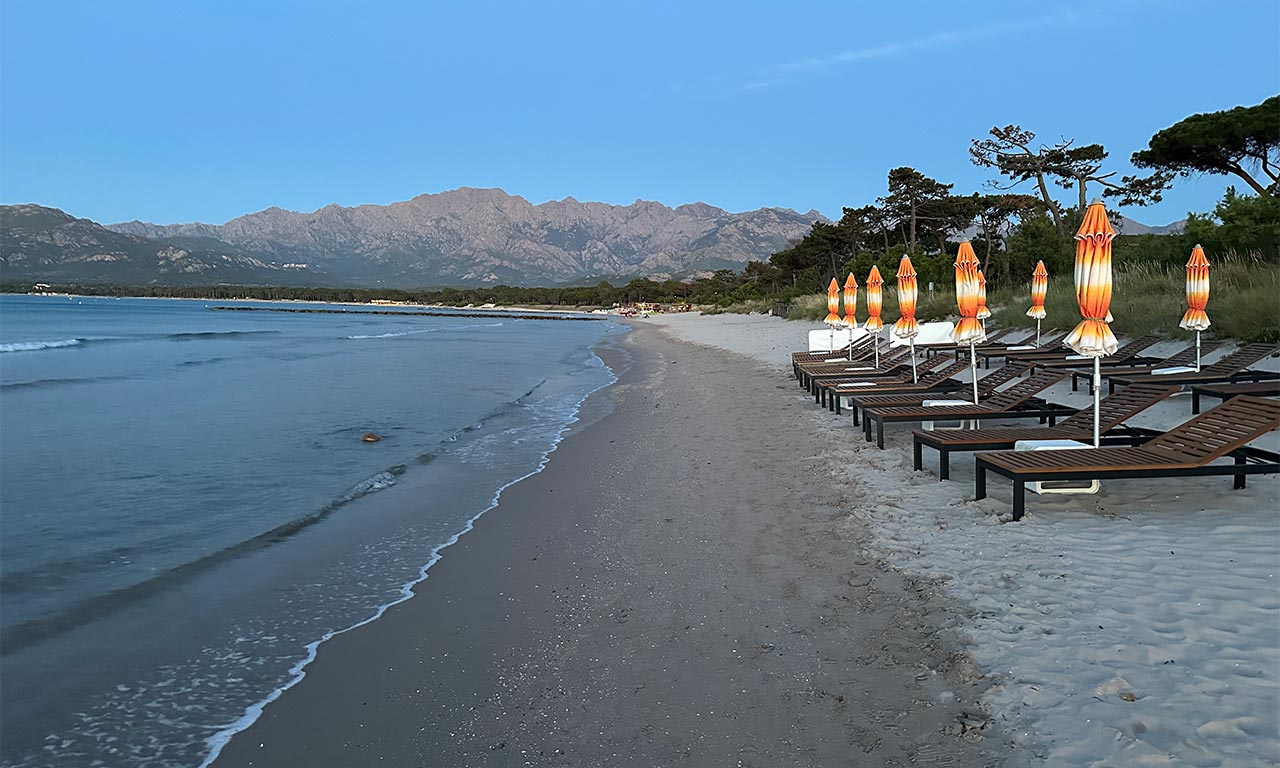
463, 237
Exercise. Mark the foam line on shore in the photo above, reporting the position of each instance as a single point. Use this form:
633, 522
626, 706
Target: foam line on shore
297, 672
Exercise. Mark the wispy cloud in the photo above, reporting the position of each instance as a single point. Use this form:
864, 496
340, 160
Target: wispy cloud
783, 72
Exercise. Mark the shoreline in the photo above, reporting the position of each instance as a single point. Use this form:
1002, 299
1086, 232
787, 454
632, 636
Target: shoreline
512, 637
298, 671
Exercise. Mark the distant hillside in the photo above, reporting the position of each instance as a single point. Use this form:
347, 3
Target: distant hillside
485, 237
38, 243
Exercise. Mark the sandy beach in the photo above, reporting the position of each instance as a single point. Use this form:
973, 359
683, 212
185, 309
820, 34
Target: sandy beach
682, 585
1137, 626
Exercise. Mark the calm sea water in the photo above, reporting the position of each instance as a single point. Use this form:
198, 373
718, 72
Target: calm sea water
187, 509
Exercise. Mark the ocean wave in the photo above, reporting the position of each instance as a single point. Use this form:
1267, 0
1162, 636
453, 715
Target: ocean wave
391, 335
42, 383
199, 335
35, 346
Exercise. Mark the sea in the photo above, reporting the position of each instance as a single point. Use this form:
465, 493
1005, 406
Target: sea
188, 510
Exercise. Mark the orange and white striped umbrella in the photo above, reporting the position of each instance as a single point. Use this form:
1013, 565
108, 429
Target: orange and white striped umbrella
983, 312
906, 327
968, 330
874, 300
1196, 319
833, 303
850, 302
1039, 287
1093, 336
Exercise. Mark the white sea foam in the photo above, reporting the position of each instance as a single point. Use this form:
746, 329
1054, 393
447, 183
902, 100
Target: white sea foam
34, 346
392, 335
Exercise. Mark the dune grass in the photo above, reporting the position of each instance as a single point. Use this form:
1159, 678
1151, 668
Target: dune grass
1244, 301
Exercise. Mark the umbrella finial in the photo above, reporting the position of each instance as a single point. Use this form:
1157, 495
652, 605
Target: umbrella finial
1096, 201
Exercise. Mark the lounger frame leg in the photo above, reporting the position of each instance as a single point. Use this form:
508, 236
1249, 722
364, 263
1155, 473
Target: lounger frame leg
979, 482
1239, 477
1019, 499
916, 458
880, 434
944, 464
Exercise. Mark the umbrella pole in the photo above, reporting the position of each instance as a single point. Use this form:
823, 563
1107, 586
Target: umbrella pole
914, 378
1097, 395
831, 345
973, 371
1197, 351
876, 343
1037, 331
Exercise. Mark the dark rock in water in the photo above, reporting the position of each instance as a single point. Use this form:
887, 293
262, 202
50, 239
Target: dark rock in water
370, 437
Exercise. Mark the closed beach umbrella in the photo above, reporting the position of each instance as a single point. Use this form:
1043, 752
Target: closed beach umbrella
1196, 319
1093, 336
906, 327
875, 299
833, 309
850, 308
1039, 288
983, 312
968, 294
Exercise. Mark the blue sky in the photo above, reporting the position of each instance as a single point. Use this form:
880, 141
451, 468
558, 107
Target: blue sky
171, 112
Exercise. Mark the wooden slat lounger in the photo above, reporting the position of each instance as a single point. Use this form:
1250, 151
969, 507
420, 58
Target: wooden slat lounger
995, 339
1049, 342
865, 345
1011, 403
1229, 369
1124, 353
938, 379
1224, 392
897, 370
1188, 451
1114, 411
997, 344
905, 395
1184, 358
888, 358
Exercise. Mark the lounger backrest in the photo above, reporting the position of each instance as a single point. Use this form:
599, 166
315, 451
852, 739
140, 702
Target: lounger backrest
1242, 358
1188, 355
1218, 431
1121, 406
942, 374
1002, 376
1024, 390
1132, 348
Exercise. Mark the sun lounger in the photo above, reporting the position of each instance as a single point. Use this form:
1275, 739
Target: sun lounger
1125, 352
897, 370
1114, 411
1231, 368
1188, 451
1048, 343
1014, 402
1224, 392
832, 392
1186, 357
910, 395
862, 356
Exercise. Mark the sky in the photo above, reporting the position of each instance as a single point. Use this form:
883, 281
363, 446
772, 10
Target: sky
203, 111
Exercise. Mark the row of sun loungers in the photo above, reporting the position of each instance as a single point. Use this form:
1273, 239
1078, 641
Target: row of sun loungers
1197, 448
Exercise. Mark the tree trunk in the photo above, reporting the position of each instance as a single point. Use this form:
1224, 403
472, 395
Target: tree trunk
911, 247
1049, 203
1084, 197
986, 257
1242, 173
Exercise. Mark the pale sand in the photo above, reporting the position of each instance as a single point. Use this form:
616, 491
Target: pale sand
681, 586
1163, 589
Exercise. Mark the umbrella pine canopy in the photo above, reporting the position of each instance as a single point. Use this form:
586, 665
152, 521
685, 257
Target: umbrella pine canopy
1196, 319
874, 300
833, 303
1039, 287
906, 327
1093, 336
850, 302
968, 330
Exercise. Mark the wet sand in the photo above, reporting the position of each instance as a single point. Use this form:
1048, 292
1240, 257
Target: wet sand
678, 587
